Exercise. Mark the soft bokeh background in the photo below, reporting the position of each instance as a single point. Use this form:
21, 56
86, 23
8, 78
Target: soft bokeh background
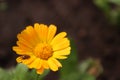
96, 34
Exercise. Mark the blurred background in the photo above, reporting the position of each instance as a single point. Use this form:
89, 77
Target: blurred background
93, 25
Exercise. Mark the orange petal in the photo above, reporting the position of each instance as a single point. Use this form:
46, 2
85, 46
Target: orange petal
42, 31
58, 37
19, 59
23, 46
20, 51
25, 42
40, 71
45, 64
56, 62
51, 32
52, 65
62, 52
59, 57
30, 35
61, 44
35, 64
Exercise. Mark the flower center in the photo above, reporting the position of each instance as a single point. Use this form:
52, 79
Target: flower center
43, 51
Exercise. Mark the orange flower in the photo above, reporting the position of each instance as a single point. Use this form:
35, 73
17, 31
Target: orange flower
39, 48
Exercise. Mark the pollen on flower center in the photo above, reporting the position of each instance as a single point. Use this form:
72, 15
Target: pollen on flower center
43, 51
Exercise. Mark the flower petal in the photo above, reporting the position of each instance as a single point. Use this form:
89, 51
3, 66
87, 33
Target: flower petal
19, 59
51, 32
29, 35
42, 31
25, 40
56, 62
58, 38
20, 51
23, 46
63, 52
35, 64
40, 71
59, 57
52, 65
62, 44
28, 61
45, 64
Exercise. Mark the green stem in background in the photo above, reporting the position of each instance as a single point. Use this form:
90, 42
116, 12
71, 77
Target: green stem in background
37, 78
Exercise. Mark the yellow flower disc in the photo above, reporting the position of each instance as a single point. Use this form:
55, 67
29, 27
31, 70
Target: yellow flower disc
43, 51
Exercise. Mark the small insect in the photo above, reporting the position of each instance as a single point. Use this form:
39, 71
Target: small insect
25, 57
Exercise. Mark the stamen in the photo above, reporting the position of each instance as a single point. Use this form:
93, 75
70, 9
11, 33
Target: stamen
43, 51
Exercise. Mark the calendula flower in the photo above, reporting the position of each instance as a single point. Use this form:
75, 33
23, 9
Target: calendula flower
39, 48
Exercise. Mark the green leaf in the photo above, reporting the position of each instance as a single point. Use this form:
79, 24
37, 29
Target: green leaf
114, 14
32, 75
86, 76
70, 64
103, 4
4, 75
117, 2
72, 76
20, 72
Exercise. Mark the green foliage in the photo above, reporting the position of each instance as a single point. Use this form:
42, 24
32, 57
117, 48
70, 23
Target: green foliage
4, 75
86, 76
117, 2
112, 14
21, 72
103, 4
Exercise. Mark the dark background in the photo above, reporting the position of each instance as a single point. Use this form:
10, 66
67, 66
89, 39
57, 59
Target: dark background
84, 22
